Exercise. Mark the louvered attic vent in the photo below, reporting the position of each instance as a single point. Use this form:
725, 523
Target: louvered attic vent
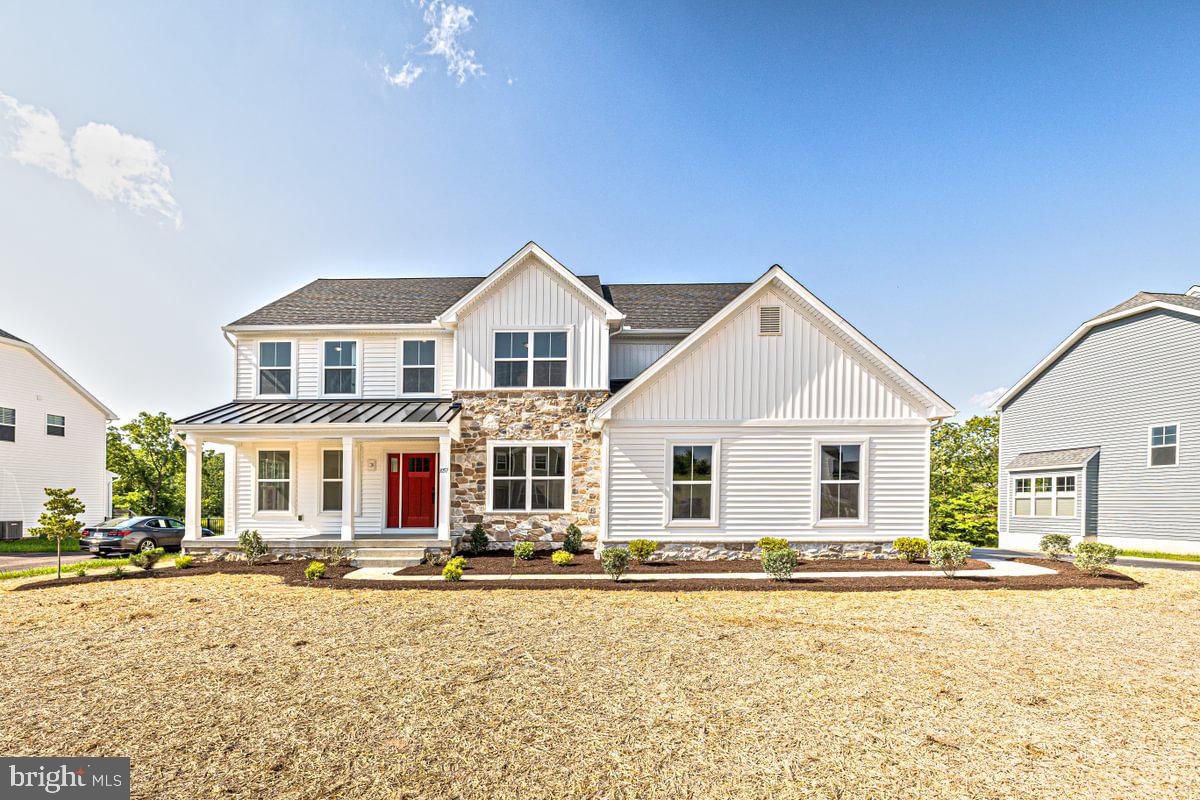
770, 321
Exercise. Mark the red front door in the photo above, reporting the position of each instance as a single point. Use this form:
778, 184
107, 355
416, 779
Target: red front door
412, 490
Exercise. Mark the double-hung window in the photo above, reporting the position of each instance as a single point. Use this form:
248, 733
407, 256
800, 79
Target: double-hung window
56, 425
1164, 445
274, 367
341, 368
692, 493
841, 495
419, 370
331, 480
274, 480
536, 359
8, 424
1044, 496
528, 477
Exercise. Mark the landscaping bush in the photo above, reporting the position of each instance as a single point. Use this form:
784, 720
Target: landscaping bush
1055, 545
252, 545
779, 564
315, 571
117, 573
146, 559
573, 543
949, 556
642, 549
183, 562
1094, 557
911, 548
562, 558
477, 542
770, 543
453, 571
523, 551
614, 560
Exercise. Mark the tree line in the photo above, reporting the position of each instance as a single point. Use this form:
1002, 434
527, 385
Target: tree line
150, 464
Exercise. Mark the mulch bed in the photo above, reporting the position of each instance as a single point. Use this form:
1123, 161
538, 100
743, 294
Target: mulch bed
292, 573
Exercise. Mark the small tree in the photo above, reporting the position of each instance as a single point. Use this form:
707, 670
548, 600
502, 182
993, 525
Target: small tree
58, 520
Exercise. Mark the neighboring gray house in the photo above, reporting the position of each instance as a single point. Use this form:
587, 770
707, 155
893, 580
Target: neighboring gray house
1099, 439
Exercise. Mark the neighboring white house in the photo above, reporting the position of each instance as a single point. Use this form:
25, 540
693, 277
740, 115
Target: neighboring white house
391, 412
52, 434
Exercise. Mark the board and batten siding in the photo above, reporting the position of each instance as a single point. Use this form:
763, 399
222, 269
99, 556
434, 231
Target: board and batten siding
1108, 390
630, 355
766, 481
736, 374
533, 297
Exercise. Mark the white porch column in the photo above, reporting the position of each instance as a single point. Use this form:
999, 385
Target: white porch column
443, 484
194, 450
348, 489
231, 490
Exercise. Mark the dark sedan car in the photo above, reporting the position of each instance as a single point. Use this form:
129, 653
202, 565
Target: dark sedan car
134, 533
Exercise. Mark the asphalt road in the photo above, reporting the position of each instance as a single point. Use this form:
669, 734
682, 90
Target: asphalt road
10, 562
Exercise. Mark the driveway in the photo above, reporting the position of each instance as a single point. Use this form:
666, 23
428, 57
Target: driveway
10, 562
1122, 561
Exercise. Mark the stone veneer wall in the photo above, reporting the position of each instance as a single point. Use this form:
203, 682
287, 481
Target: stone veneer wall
746, 551
525, 416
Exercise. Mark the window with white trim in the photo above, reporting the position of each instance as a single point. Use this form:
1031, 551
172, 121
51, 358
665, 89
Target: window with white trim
517, 364
1044, 496
419, 367
841, 481
528, 477
1164, 445
8, 424
692, 482
274, 480
331, 480
274, 367
56, 425
341, 368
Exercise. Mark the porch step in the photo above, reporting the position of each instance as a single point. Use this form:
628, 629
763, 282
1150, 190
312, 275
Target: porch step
371, 555
386, 561
371, 542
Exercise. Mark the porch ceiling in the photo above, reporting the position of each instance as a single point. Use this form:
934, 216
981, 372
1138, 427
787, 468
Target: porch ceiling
327, 412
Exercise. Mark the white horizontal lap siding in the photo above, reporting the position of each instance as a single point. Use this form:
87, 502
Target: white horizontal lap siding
246, 356
629, 356
736, 374
379, 373
533, 297
765, 483
308, 367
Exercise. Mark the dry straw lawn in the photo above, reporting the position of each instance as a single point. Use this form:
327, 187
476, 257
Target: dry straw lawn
239, 686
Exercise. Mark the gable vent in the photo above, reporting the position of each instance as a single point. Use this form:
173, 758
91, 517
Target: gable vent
770, 321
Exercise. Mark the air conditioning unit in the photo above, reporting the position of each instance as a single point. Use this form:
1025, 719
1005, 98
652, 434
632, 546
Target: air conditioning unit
10, 530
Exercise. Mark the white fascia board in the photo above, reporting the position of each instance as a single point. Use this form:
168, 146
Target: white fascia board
449, 317
1078, 334
108, 413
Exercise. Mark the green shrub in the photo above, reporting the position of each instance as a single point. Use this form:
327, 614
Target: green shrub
949, 556
477, 542
1094, 557
562, 558
770, 543
911, 548
614, 560
524, 551
146, 559
573, 542
117, 573
315, 571
183, 562
779, 564
1055, 545
252, 545
642, 549
453, 571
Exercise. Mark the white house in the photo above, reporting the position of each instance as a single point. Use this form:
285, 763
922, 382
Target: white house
52, 434
393, 415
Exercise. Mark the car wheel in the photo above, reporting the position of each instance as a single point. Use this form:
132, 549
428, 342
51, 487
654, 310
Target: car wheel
147, 544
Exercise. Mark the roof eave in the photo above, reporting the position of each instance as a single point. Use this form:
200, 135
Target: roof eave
108, 413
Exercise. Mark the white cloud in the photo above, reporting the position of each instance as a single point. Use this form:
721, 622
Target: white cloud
113, 166
405, 77
447, 22
985, 399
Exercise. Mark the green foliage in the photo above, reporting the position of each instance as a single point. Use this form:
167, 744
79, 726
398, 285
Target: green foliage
252, 545
183, 562
1055, 545
573, 542
453, 571
963, 474
477, 542
562, 558
117, 573
911, 548
770, 544
1094, 557
36, 544
78, 568
524, 551
949, 556
59, 519
1158, 554
150, 463
614, 560
146, 559
642, 549
315, 571
779, 564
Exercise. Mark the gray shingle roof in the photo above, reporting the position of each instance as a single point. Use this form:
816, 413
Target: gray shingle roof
7, 335
671, 305
1144, 298
1052, 459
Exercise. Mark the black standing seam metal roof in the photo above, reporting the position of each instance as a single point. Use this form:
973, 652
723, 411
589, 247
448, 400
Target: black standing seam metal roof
326, 412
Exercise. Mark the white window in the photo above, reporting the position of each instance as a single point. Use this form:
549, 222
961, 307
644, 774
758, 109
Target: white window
693, 495
1164, 445
1044, 496
331, 480
528, 476
56, 425
530, 359
275, 368
274, 480
8, 424
841, 482
1023, 497
419, 367
340, 368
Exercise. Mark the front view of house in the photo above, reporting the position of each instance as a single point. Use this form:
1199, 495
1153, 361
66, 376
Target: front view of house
395, 414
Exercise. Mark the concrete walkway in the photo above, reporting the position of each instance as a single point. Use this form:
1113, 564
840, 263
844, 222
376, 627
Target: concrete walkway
1122, 561
1000, 568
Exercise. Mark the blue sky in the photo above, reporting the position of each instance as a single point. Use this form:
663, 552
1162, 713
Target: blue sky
964, 182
